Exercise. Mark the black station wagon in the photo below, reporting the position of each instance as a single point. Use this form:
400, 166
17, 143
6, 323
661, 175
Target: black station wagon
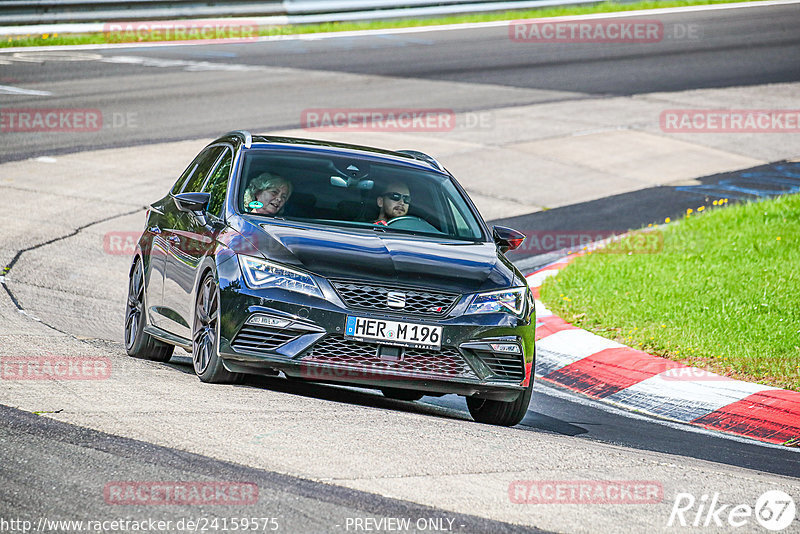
333, 263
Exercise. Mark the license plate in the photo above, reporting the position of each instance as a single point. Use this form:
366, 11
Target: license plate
394, 332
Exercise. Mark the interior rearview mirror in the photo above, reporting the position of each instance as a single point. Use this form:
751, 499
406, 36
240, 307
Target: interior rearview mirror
338, 181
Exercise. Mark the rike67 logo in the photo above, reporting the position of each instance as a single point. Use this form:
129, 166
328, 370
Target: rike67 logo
774, 510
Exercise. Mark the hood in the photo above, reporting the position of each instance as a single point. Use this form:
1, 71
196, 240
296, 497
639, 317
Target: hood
464, 267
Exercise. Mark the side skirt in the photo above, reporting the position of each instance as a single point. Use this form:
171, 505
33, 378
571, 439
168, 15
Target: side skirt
166, 337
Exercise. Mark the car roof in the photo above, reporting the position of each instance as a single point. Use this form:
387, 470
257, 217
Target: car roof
404, 157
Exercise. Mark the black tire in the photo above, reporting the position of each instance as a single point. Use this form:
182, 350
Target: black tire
402, 394
205, 336
501, 413
138, 343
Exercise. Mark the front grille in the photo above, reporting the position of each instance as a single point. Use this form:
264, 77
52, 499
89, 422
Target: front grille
257, 338
372, 297
337, 350
504, 365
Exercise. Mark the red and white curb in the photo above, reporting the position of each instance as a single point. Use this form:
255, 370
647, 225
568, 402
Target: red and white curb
614, 373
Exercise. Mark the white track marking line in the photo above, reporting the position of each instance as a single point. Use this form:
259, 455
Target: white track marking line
10, 90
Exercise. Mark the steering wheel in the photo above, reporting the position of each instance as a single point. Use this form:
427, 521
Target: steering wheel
413, 223
403, 218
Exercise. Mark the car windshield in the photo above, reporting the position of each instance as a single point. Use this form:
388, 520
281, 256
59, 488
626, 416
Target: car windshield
345, 191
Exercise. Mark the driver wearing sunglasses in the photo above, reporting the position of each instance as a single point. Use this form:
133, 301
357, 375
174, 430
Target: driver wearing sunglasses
393, 203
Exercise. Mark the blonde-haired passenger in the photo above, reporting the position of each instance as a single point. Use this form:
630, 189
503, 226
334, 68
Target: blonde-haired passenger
270, 190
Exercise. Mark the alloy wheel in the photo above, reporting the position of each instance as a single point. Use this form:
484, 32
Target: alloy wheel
206, 321
135, 305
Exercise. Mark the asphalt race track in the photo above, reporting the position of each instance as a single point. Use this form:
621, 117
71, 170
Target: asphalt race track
211, 88
554, 137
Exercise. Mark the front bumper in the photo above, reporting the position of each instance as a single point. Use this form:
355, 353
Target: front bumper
312, 346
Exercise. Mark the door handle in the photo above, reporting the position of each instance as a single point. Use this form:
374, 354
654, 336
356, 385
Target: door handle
154, 230
175, 240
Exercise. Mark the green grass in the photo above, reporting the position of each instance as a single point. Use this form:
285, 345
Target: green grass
723, 294
605, 7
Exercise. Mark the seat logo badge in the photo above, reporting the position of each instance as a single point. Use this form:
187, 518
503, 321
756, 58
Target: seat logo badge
395, 299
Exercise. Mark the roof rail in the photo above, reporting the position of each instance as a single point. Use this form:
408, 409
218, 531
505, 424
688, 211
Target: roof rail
416, 154
244, 135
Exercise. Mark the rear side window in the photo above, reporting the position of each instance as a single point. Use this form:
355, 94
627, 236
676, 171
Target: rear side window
217, 183
195, 175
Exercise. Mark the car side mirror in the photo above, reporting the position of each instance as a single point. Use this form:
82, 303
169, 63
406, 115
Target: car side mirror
194, 203
507, 238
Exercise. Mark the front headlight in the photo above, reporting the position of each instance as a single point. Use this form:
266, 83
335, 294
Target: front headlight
507, 300
259, 274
